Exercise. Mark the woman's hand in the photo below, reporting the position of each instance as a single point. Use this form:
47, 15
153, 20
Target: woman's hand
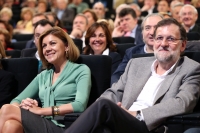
28, 103
35, 109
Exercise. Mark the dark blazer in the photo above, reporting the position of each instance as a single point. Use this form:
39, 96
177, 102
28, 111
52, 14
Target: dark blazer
138, 49
7, 87
30, 52
196, 28
116, 60
67, 17
138, 36
30, 44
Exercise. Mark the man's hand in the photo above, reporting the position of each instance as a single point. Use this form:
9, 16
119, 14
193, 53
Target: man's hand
133, 113
118, 32
77, 33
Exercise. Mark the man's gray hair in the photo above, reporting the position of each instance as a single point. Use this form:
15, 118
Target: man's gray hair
150, 15
188, 5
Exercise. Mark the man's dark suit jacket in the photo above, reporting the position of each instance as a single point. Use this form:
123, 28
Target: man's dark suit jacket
116, 60
67, 17
196, 28
138, 49
138, 36
30, 44
7, 86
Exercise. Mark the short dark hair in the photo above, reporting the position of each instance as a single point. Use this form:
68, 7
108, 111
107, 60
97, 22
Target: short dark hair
43, 22
169, 21
127, 11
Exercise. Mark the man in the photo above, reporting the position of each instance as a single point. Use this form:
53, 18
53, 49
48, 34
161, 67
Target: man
148, 27
175, 11
128, 26
149, 6
188, 16
99, 9
79, 28
64, 14
39, 28
35, 19
163, 6
150, 90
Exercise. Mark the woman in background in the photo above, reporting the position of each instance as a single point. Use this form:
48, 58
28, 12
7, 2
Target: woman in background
5, 39
91, 16
98, 41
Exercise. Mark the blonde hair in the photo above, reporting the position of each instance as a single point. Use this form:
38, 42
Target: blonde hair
6, 10
25, 10
109, 23
73, 52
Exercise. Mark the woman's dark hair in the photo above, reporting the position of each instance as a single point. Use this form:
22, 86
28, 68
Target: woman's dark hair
110, 45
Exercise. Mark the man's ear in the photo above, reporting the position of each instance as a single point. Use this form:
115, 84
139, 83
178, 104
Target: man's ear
183, 45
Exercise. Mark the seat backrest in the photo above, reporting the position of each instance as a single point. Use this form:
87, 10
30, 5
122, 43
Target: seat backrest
193, 46
142, 55
100, 67
23, 37
79, 44
123, 39
18, 45
24, 69
193, 36
122, 47
13, 53
29, 52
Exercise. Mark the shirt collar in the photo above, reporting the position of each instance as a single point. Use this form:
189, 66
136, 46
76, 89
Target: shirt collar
106, 52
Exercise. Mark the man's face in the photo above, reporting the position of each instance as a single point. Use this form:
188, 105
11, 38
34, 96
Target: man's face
168, 44
148, 29
188, 16
61, 4
175, 13
163, 6
99, 10
149, 3
128, 23
80, 23
38, 31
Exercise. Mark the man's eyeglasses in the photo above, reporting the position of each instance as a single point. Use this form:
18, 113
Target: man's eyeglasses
170, 40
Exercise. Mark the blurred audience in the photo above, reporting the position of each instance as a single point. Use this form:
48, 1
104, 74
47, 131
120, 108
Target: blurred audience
79, 5
163, 6
99, 9
175, 10
91, 17
149, 6
42, 6
5, 39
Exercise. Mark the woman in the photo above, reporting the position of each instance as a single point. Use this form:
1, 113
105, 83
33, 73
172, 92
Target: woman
25, 24
91, 16
62, 88
98, 41
7, 81
5, 39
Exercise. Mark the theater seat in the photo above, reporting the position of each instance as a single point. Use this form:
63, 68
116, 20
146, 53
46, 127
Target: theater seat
13, 53
24, 69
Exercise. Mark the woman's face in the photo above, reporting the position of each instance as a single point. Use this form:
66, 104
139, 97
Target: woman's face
2, 40
5, 17
90, 18
54, 50
27, 16
98, 41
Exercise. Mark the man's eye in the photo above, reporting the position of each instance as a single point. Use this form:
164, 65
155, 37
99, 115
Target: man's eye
147, 28
171, 39
159, 38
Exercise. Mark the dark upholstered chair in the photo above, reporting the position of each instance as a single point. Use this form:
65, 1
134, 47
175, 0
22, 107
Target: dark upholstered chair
13, 53
122, 47
123, 39
29, 52
79, 44
100, 66
193, 46
18, 45
24, 69
23, 37
193, 36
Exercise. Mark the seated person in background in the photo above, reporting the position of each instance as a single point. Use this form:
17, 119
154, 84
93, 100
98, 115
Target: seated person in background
188, 16
149, 6
54, 19
79, 5
151, 89
109, 22
175, 11
148, 26
41, 6
24, 26
128, 26
5, 39
79, 28
6, 15
7, 81
65, 14
91, 17
163, 6
8, 27
98, 41
99, 9
62, 88
35, 19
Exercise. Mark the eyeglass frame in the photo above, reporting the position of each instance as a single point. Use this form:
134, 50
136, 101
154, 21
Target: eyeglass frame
168, 41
